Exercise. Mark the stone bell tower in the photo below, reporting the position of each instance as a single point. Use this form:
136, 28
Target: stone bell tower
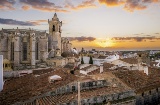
54, 33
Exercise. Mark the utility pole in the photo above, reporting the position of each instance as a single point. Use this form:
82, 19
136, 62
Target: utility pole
79, 94
1, 73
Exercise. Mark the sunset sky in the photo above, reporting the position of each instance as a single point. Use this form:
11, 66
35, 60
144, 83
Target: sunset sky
100, 24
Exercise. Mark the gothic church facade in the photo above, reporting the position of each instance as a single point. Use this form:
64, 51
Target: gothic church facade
29, 47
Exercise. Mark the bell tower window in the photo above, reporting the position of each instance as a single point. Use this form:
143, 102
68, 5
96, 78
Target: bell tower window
53, 29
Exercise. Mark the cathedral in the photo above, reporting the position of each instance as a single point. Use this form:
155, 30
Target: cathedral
21, 47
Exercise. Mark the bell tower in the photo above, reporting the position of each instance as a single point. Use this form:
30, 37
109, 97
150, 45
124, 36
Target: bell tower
55, 33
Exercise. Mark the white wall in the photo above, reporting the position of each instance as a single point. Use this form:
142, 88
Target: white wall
1, 72
86, 59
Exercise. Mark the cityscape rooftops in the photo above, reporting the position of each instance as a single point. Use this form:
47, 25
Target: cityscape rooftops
139, 80
23, 88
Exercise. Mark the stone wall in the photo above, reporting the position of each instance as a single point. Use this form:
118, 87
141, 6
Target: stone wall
18, 36
72, 87
151, 97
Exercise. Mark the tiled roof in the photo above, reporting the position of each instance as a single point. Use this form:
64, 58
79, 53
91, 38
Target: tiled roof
154, 63
139, 80
85, 94
106, 66
23, 88
130, 60
102, 57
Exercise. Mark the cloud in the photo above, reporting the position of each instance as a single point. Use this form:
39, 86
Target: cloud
81, 39
83, 4
37, 22
111, 2
7, 4
132, 5
137, 39
156, 33
15, 22
129, 5
148, 35
42, 5
25, 7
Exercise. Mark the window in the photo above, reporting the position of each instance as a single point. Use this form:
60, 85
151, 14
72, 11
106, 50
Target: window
149, 92
90, 84
24, 51
12, 51
83, 85
53, 29
6, 65
36, 48
73, 88
142, 94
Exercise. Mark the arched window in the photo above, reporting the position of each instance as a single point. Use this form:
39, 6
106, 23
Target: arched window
12, 51
53, 29
25, 51
36, 49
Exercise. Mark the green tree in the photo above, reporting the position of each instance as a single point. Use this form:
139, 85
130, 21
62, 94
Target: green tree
82, 62
157, 55
90, 60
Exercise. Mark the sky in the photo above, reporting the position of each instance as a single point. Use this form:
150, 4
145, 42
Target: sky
91, 24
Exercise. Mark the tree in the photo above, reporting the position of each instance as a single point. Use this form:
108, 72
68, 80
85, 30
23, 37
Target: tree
82, 62
90, 60
82, 50
157, 55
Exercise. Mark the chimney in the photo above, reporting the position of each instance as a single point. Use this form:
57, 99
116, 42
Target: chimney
145, 70
101, 68
1, 72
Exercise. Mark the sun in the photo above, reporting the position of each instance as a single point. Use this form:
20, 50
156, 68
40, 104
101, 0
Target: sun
107, 42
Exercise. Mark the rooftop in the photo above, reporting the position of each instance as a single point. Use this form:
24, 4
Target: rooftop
23, 88
130, 60
138, 80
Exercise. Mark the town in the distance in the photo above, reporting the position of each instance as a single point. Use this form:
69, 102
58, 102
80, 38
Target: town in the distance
43, 68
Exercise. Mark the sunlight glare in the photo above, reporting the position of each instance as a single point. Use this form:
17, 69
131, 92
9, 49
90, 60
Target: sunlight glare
105, 42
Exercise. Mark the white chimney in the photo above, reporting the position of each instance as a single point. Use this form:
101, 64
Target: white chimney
145, 69
1, 72
101, 68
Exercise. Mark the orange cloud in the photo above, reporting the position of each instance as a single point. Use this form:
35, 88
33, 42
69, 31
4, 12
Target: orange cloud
129, 5
43, 5
111, 2
25, 7
38, 22
7, 4
84, 4
47, 9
